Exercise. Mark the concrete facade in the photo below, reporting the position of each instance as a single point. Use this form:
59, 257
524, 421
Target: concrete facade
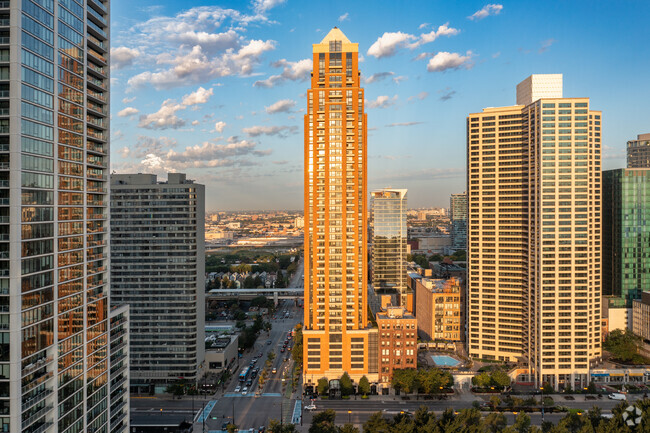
158, 269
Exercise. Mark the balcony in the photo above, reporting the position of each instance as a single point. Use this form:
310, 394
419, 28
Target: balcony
99, 69
97, 83
96, 95
37, 415
97, 56
37, 398
96, 16
96, 42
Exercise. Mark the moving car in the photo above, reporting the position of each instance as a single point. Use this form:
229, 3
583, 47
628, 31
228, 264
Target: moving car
310, 407
275, 370
237, 388
244, 391
617, 396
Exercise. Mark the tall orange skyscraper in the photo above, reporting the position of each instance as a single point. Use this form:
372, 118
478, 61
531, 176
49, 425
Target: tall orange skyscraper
336, 336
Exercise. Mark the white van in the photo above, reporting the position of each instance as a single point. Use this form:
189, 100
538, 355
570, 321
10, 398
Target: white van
617, 396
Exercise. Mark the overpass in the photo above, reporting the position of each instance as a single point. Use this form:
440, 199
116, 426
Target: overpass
248, 294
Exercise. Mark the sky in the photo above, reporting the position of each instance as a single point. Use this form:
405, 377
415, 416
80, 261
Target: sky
217, 89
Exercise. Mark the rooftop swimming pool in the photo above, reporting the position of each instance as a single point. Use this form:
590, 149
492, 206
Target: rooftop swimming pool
445, 361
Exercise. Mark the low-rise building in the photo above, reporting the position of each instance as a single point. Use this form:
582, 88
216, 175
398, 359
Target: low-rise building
438, 309
220, 352
397, 341
641, 316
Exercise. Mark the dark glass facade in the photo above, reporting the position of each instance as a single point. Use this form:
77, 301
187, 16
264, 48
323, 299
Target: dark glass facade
626, 234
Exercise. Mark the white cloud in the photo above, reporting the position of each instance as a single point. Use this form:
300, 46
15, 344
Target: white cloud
425, 38
184, 49
293, 71
200, 96
423, 25
123, 56
210, 42
282, 131
219, 126
197, 67
382, 101
128, 111
195, 122
399, 79
128, 100
281, 106
262, 6
344, 17
378, 76
163, 118
487, 10
387, 44
444, 60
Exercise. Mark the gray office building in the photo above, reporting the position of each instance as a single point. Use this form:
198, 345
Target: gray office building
158, 269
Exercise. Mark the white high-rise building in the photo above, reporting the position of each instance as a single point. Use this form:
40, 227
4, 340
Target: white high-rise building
55, 368
534, 237
158, 269
538, 86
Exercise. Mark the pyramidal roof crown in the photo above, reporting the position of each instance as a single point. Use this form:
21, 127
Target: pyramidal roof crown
335, 35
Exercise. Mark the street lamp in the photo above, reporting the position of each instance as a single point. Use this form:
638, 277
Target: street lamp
541, 391
349, 414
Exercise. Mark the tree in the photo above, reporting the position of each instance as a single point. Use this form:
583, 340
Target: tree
500, 378
404, 379
323, 385
522, 423
435, 258
346, 384
624, 345
296, 350
348, 428
482, 380
377, 424
364, 386
323, 422
495, 422
276, 427
231, 428
279, 281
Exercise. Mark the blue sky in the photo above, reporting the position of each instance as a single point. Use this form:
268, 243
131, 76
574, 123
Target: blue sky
216, 89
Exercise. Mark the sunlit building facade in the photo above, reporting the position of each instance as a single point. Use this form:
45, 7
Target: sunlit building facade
54, 258
638, 152
389, 237
337, 337
534, 237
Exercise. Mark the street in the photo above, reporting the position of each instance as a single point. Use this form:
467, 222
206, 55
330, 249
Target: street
255, 409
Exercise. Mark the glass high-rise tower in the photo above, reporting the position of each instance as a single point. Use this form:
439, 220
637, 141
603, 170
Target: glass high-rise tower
54, 298
389, 242
626, 239
458, 216
336, 337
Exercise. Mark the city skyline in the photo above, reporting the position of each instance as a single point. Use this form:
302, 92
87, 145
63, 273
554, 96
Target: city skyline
179, 69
